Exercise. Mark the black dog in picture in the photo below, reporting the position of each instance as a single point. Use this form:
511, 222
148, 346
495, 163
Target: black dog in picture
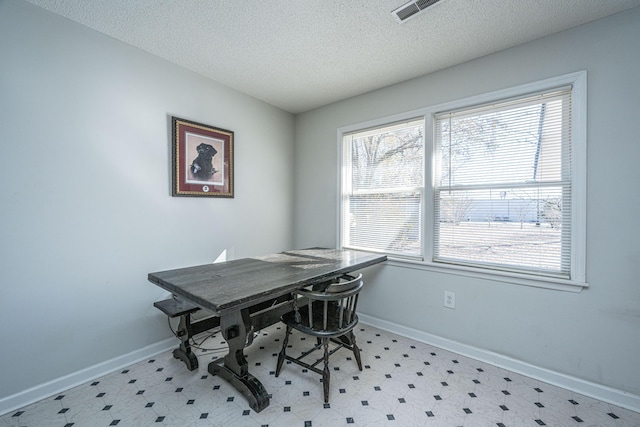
202, 166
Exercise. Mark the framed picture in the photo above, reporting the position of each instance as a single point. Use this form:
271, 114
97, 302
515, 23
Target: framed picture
202, 160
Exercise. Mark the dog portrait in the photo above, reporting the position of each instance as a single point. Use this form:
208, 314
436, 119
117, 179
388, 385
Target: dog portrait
202, 166
202, 160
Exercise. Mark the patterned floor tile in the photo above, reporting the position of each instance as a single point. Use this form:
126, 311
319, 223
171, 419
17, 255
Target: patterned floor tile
403, 383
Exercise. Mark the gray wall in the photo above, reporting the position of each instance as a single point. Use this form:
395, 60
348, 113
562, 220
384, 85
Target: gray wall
86, 210
593, 335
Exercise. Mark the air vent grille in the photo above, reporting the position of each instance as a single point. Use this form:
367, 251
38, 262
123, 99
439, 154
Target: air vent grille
423, 4
408, 10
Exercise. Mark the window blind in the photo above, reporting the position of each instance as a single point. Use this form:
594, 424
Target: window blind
382, 207
503, 185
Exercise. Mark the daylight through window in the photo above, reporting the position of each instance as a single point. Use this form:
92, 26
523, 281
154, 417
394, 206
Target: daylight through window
383, 189
492, 186
503, 185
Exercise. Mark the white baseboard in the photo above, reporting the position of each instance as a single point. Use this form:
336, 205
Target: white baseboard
596, 391
58, 385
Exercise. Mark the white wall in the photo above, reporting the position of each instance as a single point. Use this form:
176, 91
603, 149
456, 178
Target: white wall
592, 336
86, 211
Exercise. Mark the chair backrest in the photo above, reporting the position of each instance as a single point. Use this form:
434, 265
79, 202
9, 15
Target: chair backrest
332, 311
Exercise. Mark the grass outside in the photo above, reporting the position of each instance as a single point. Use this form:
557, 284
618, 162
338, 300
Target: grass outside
505, 243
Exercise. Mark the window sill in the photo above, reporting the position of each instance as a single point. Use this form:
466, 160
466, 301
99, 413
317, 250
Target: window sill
494, 276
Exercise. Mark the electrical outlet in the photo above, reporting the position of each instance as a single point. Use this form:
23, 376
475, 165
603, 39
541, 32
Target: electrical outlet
449, 299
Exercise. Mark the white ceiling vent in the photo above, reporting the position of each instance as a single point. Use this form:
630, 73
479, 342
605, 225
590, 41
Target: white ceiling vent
410, 9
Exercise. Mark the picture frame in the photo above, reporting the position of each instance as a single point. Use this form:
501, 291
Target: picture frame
202, 160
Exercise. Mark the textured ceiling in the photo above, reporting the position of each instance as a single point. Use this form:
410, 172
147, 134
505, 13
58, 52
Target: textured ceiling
302, 54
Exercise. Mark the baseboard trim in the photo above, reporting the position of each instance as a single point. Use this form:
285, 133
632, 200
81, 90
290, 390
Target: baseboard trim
61, 384
596, 391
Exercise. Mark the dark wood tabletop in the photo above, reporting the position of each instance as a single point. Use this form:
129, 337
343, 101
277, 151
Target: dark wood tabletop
237, 284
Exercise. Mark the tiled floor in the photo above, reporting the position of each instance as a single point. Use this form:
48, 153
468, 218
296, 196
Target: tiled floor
404, 383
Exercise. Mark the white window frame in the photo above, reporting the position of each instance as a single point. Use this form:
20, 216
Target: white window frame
578, 81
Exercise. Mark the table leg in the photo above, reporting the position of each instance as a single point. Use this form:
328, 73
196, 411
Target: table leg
238, 332
183, 352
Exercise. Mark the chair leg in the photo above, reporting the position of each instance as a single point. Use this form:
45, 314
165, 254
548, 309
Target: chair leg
356, 350
283, 353
325, 372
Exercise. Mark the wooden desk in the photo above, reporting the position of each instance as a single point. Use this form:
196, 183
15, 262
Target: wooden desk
231, 291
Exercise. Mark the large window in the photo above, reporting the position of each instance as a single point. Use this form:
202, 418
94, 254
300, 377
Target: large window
492, 185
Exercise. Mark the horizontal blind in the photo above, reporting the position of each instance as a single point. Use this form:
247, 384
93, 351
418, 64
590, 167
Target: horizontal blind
503, 185
383, 189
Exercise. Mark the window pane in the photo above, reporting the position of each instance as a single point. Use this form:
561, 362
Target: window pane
503, 228
518, 145
386, 222
383, 189
389, 157
503, 193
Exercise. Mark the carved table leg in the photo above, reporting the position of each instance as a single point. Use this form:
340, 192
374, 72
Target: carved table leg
238, 332
183, 352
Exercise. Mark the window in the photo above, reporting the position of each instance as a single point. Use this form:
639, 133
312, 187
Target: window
503, 185
491, 186
383, 189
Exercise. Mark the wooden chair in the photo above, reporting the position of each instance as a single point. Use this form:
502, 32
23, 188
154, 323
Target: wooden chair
329, 314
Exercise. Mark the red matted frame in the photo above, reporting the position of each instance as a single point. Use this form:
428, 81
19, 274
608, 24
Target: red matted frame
202, 160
